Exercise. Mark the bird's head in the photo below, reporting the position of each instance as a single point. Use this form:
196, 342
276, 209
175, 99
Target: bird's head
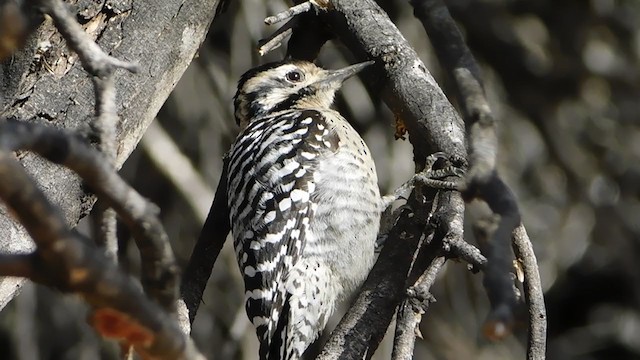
288, 85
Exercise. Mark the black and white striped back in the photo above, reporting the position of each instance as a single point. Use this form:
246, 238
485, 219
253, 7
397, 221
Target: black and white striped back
270, 185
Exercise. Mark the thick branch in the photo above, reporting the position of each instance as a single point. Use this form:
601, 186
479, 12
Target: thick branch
365, 324
167, 36
457, 60
362, 328
407, 86
94, 60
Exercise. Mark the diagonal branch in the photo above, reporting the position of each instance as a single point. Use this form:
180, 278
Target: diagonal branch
205, 252
159, 272
20, 265
65, 260
29, 92
360, 331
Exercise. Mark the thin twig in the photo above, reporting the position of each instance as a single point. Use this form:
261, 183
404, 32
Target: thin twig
295, 14
101, 66
104, 227
309, 36
104, 223
411, 310
289, 13
449, 225
533, 295
467, 252
275, 40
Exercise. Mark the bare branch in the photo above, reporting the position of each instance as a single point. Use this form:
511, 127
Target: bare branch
431, 120
533, 295
64, 100
71, 265
205, 252
104, 226
104, 128
101, 66
461, 66
482, 180
289, 13
159, 272
275, 40
363, 327
309, 35
19, 265
411, 310
467, 252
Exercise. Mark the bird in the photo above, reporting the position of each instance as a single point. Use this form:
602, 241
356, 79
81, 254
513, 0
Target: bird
304, 203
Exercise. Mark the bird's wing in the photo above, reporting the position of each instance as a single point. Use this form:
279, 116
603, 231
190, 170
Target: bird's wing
271, 179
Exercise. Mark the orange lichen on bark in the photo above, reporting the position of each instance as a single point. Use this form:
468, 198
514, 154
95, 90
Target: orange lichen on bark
115, 324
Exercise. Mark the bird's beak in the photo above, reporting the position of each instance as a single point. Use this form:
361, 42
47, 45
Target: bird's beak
335, 78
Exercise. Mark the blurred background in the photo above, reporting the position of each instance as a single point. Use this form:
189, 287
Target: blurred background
563, 78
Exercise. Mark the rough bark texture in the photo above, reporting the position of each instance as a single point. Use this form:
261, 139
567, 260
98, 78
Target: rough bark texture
45, 82
433, 123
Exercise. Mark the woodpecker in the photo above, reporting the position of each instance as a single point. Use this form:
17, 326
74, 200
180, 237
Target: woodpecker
304, 202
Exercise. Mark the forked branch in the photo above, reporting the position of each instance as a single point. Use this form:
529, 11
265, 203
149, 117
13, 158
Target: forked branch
484, 182
65, 260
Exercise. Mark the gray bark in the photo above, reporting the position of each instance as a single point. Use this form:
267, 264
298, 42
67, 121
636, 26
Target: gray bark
50, 86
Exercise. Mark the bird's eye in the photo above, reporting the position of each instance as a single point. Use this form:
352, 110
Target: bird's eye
294, 76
